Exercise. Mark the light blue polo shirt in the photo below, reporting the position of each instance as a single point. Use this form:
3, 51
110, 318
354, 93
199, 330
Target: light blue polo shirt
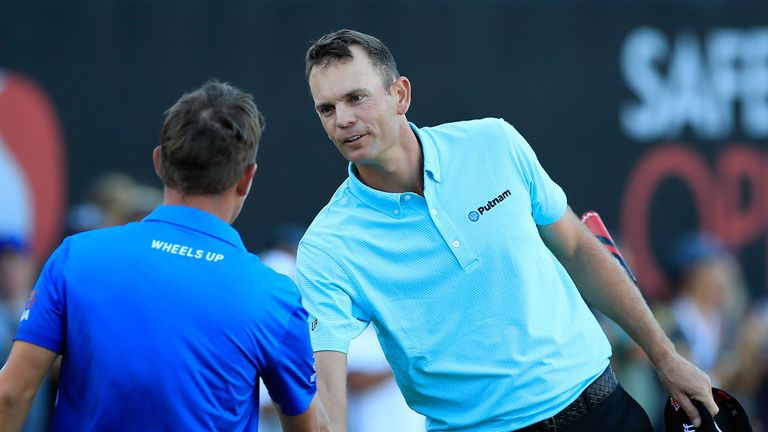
483, 327
167, 324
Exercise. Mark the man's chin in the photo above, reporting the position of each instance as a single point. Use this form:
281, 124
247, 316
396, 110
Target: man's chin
358, 156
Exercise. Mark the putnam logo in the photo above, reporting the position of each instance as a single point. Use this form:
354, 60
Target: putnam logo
474, 216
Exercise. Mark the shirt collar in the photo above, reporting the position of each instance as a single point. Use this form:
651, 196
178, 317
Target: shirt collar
429, 151
197, 220
390, 203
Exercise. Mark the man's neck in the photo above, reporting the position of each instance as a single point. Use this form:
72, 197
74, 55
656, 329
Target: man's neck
221, 206
401, 171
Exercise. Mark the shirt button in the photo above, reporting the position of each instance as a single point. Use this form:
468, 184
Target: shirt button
396, 211
407, 197
434, 212
456, 244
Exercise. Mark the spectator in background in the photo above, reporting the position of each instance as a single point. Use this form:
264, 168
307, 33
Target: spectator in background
751, 370
375, 401
114, 199
754, 349
17, 276
706, 319
705, 316
282, 246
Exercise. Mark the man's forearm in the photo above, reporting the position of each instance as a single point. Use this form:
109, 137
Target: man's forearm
603, 283
335, 404
20, 379
332, 387
13, 411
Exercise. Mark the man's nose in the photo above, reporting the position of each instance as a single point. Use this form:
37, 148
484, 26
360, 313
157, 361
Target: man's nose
345, 116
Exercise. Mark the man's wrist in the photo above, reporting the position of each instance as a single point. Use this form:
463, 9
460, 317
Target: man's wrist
661, 351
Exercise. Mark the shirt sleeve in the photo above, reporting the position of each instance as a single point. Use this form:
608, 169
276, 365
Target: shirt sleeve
334, 319
290, 376
43, 321
548, 201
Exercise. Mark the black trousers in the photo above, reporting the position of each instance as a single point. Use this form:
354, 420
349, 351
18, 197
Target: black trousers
619, 412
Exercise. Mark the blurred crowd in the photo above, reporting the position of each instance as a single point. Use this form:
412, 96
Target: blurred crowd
712, 321
709, 316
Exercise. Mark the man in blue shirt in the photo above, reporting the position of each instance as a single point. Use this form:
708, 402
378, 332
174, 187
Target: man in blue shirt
461, 251
168, 323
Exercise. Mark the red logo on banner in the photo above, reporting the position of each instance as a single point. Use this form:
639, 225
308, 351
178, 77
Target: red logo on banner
716, 193
31, 144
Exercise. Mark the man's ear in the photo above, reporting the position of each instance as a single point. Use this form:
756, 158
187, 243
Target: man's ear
244, 184
403, 94
156, 161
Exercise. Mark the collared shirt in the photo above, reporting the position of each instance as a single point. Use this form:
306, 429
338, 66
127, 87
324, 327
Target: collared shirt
483, 327
167, 324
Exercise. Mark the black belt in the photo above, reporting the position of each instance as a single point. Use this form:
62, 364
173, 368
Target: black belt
600, 389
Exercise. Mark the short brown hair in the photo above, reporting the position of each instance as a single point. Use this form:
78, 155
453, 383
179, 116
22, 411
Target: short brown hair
335, 47
208, 139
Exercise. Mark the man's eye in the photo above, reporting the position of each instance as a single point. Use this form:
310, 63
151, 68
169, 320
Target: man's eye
325, 110
356, 98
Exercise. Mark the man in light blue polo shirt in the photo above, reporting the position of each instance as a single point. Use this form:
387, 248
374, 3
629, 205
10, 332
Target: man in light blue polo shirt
461, 251
168, 323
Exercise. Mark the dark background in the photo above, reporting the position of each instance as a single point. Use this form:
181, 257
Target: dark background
551, 68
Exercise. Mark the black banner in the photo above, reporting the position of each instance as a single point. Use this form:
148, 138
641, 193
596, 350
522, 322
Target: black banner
654, 114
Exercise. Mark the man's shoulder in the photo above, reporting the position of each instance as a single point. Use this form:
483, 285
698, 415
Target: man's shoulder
102, 234
482, 125
458, 135
93, 246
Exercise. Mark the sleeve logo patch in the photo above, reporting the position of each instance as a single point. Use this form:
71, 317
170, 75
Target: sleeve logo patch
28, 306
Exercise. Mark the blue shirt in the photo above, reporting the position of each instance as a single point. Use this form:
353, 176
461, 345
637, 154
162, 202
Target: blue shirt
483, 327
167, 324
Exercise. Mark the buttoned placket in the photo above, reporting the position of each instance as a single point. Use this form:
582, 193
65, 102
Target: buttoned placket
450, 233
